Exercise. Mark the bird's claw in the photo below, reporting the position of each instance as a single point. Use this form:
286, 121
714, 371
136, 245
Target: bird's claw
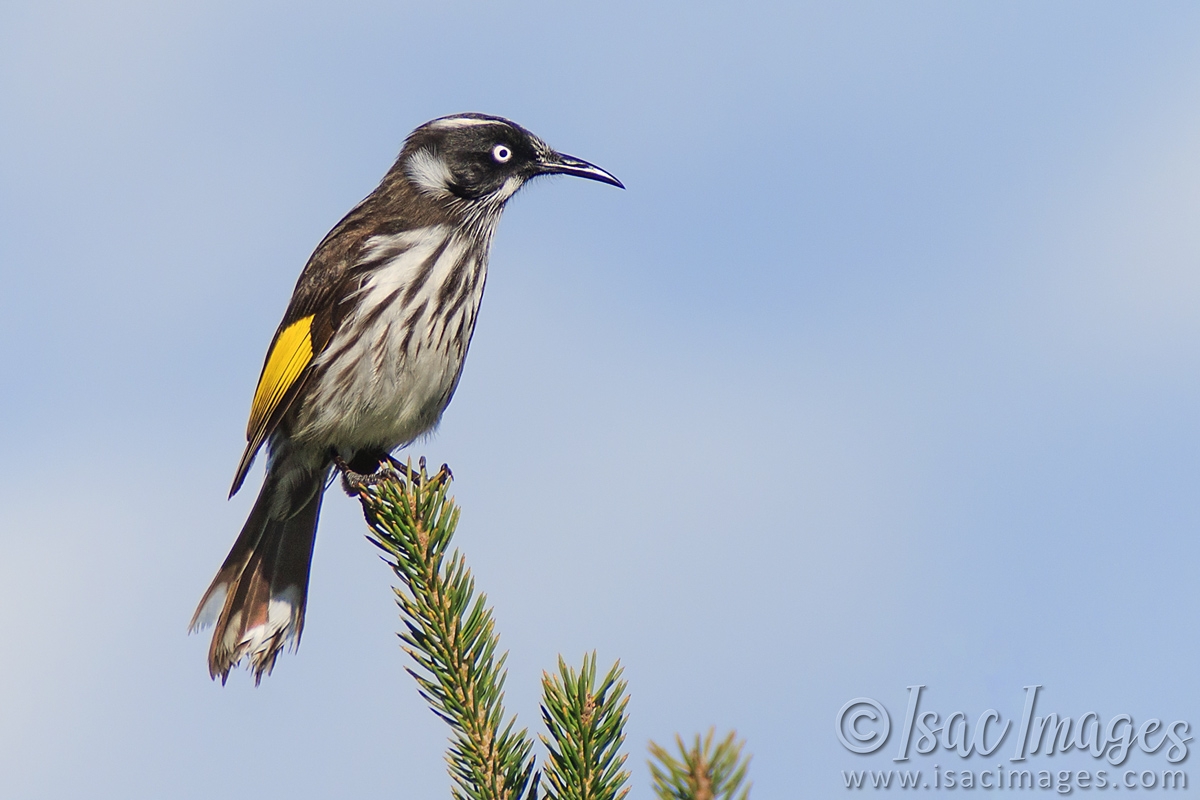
390, 468
418, 476
354, 482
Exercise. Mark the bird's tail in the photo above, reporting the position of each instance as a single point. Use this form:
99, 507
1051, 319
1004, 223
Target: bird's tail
257, 599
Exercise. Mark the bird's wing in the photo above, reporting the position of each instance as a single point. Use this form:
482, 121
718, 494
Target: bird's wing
283, 374
322, 298
317, 307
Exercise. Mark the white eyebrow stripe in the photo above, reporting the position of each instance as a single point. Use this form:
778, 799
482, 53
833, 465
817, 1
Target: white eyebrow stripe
464, 122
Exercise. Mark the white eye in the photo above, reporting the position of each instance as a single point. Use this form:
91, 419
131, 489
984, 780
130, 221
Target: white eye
501, 153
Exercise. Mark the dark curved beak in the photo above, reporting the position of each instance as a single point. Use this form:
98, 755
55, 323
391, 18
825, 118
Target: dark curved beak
561, 164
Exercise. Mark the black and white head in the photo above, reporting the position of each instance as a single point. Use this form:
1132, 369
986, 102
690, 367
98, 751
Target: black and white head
477, 162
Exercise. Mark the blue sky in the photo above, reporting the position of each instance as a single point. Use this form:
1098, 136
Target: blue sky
883, 371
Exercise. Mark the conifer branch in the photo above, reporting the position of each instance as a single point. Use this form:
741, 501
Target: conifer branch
701, 772
586, 727
450, 634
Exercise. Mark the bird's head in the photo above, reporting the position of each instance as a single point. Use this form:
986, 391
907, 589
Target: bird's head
480, 160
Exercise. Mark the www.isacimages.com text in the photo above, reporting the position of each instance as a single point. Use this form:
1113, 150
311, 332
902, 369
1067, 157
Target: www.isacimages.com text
1061, 781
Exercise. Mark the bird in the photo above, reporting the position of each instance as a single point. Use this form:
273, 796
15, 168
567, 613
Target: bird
366, 359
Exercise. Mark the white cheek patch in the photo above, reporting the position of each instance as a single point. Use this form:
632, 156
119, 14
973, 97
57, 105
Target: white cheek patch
508, 188
429, 173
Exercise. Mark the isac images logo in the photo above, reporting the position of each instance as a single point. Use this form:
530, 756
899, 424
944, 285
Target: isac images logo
864, 727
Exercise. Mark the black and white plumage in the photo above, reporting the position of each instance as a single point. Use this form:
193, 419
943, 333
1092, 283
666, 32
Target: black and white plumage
366, 359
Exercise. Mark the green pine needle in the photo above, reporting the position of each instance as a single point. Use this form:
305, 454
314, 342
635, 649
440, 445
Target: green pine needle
701, 772
450, 635
586, 727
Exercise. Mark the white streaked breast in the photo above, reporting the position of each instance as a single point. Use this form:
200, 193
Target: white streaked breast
383, 380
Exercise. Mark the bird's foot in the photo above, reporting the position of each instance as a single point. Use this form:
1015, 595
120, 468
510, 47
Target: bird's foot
354, 482
389, 468
418, 476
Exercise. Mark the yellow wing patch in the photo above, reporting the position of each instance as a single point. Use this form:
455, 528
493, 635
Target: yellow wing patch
290, 355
